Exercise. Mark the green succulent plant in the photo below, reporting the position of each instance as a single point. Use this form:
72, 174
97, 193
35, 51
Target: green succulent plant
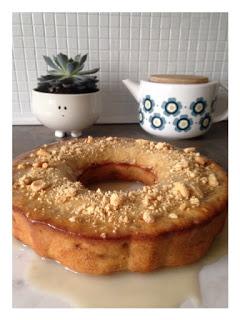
66, 75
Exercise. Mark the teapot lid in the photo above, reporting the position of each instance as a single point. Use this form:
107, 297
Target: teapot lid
178, 78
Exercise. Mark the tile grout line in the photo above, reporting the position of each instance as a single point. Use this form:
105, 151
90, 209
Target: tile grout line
206, 45
56, 32
34, 39
130, 44
120, 45
140, 44
77, 26
224, 58
217, 39
98, 40
178, 50
173, 70
149, 34
14, 63
188, 48
99, 64
25, 63
44, 33
159, 50
67, 37
224, 54
198, 39
88, 32
167, 68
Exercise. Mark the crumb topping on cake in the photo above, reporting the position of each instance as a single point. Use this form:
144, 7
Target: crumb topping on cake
50, 179
172, 216
148, 217
212, 180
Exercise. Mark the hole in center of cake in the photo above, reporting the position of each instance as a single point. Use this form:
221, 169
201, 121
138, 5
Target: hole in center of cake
116, 176
116, 185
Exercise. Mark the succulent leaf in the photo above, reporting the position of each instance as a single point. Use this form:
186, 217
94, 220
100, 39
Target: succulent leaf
83, 59
70, 68
78, 68
57, 62
55, 72
67, 75
63, 60
50, 62
73, 67
77, 57
89, 71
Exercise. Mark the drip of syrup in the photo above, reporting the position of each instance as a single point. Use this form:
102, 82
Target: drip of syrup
167, 287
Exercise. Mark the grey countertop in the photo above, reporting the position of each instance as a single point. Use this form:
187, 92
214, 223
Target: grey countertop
213, 144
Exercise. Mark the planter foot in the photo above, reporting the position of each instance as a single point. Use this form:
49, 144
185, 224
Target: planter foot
59, 134
76, 134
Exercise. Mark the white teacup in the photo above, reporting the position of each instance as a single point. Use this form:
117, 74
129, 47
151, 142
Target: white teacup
176, 111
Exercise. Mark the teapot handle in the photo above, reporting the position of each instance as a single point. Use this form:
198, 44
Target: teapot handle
222, 115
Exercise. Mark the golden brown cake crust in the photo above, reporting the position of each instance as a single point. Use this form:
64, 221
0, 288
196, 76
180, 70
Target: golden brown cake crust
170, 222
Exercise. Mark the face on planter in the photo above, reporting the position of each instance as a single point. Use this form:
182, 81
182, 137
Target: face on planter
70, 116
62, 111
65, 112
66, 116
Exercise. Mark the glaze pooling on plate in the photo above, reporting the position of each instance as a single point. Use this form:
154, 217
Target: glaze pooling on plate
134, 290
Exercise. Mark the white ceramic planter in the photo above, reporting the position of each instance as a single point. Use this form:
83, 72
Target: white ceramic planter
176, 111
66, 112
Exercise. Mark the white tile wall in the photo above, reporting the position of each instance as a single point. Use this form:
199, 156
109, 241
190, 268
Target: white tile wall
123, 45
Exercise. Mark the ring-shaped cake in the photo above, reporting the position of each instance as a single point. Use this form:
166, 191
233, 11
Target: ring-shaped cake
171, 221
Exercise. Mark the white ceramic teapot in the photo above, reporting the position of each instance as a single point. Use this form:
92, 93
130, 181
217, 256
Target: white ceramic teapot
176, 110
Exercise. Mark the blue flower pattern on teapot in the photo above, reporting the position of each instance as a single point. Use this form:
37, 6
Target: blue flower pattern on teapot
141, 117
157, 122
171, 107
205, 121
169, 112
198, 107
148, 103
183, 123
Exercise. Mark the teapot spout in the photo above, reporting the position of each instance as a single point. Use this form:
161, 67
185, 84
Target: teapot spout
133, 87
